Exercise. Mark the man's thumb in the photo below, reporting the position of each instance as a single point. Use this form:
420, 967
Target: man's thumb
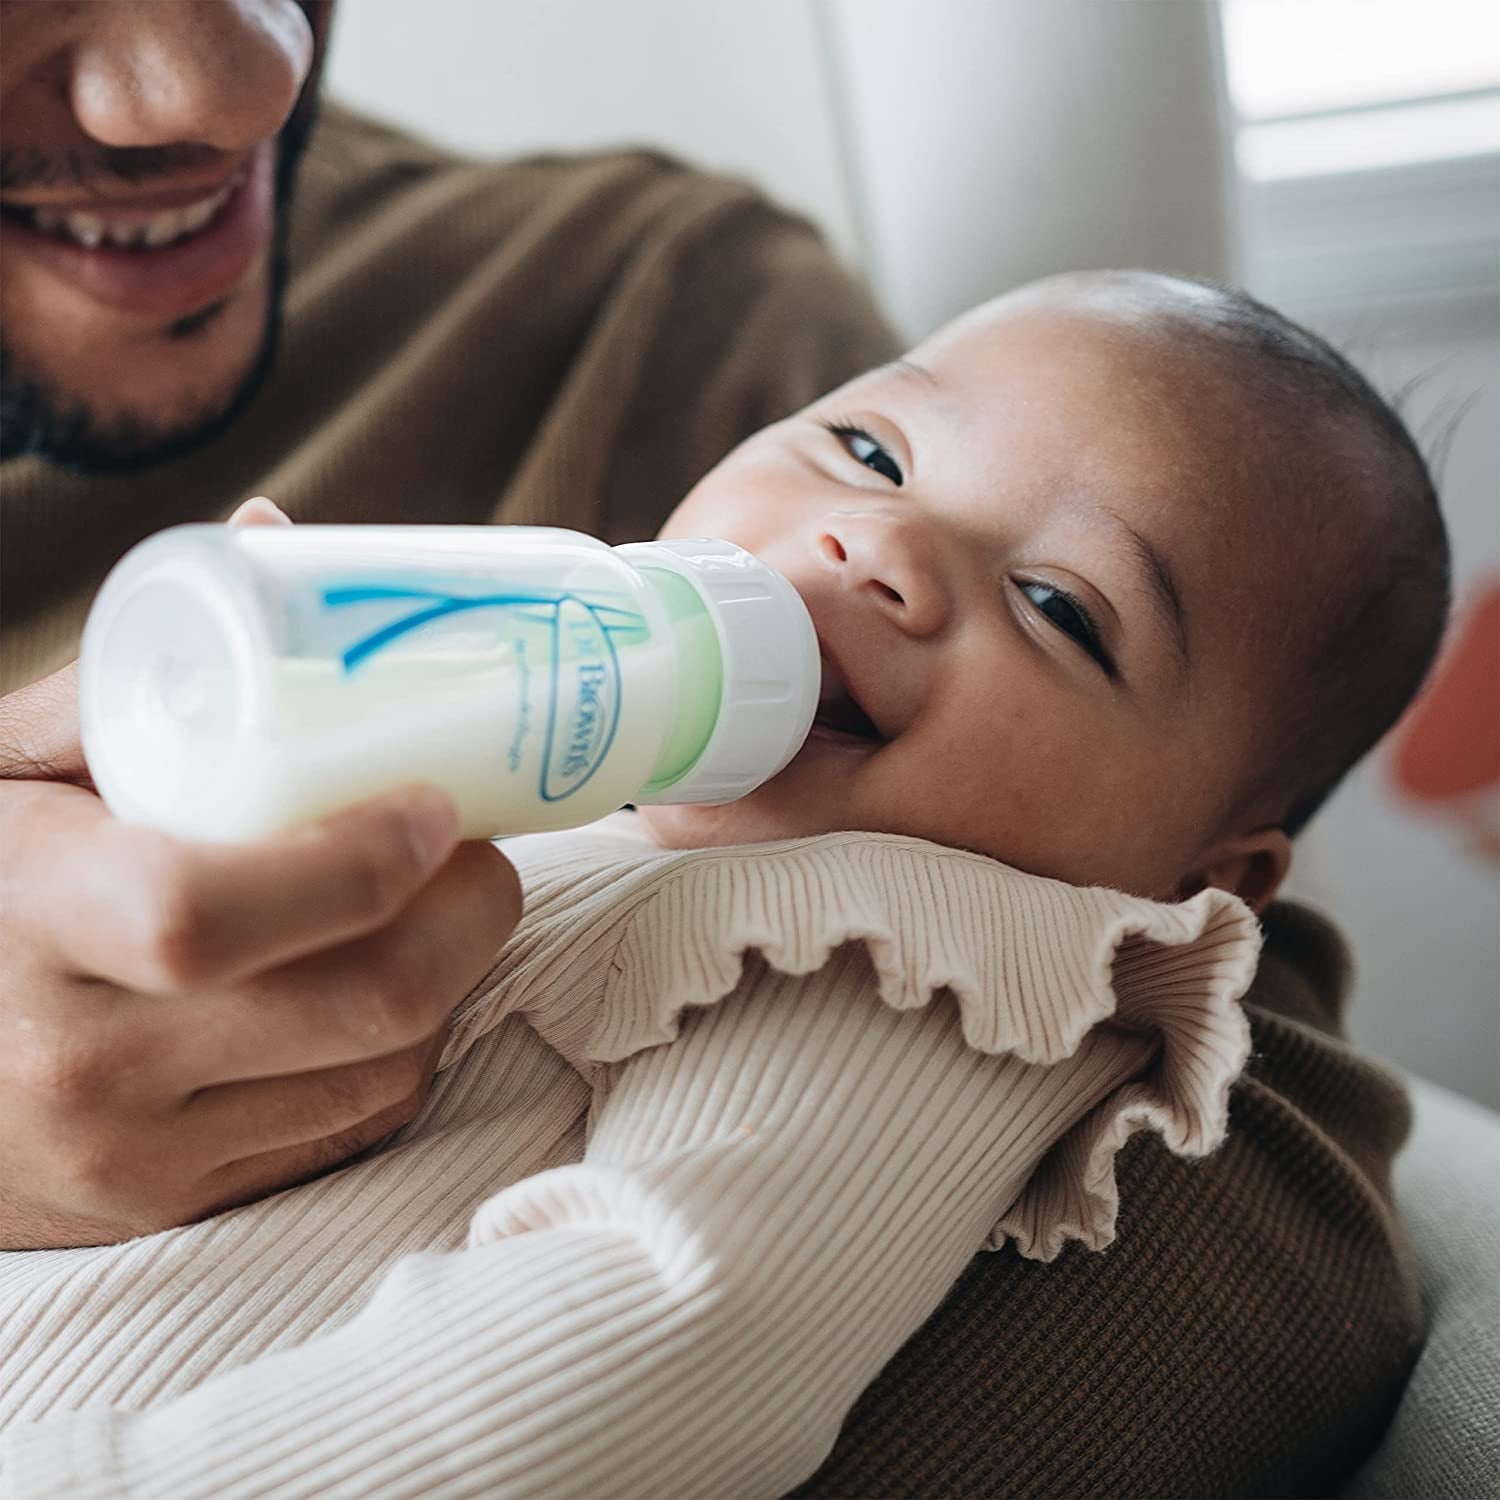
39, 731
259, 511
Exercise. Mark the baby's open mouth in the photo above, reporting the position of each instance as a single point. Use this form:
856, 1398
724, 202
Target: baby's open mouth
838, 712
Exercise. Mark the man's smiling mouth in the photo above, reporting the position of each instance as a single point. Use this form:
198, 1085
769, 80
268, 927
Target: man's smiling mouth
137, 230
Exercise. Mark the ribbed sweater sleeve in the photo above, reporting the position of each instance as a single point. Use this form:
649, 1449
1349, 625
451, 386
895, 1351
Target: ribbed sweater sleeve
786, 1172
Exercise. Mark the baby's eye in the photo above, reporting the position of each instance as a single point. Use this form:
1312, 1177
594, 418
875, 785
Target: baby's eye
1065, 612
863, 447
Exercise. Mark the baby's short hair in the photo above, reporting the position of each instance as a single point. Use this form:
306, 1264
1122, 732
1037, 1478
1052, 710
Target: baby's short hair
1358, 479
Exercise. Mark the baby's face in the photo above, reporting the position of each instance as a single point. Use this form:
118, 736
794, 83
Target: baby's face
1041, 596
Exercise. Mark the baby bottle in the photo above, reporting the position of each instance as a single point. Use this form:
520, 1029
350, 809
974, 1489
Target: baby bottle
236, 680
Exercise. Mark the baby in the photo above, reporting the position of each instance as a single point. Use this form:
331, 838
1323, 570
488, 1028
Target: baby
1114, 578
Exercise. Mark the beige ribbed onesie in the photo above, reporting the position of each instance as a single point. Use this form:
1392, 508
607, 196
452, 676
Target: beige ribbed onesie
711, 1140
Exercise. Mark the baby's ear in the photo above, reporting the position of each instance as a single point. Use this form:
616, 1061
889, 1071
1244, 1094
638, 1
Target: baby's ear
1251, 865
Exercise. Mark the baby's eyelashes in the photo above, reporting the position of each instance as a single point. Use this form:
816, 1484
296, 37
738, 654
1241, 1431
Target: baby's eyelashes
866, 450
1070, 616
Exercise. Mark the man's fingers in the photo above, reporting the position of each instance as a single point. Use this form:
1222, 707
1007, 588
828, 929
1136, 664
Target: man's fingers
259, 511
307, 1097
160, 914
373, 996
169, 1190
246, 1181
39, 731
260, 1115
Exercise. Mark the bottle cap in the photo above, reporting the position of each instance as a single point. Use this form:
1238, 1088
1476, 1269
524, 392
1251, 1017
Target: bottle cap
772, 671
171, 675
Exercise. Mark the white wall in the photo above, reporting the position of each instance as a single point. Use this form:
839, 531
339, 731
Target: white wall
994, 141
737, 85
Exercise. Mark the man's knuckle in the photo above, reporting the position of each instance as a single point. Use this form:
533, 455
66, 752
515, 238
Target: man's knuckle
172, 934
384, 1011
406, 989
324, 1105
392, 1096
393, 1116
383, 1083
333, 1149
498, 879
89, 1166
152, 1218
360, 1092
384, 1024
64, 1069
409, 1077
380, 876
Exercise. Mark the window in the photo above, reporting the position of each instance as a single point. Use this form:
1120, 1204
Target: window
1298, 57
1367, 137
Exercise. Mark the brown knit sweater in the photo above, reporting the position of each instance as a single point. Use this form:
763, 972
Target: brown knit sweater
573, 341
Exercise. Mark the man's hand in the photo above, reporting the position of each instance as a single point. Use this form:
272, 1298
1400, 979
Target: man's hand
190, 1026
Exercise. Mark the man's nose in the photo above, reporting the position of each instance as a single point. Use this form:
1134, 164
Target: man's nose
221, 73
892, 560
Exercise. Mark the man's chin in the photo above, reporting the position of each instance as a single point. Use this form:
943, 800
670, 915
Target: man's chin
39, 418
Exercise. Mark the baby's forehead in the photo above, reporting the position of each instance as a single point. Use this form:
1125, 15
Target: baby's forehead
1124, 379
1079, 325
1142, 301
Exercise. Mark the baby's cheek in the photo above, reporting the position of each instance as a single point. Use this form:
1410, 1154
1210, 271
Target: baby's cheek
1024, 797
994, 811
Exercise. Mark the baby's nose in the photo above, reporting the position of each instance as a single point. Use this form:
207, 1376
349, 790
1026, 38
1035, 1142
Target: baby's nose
891, 561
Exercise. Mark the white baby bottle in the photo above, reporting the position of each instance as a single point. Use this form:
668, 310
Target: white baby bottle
236, 680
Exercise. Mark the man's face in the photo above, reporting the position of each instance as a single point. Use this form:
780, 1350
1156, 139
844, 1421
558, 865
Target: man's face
146, 151
1040, 594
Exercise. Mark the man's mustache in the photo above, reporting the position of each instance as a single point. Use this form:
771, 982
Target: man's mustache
91, 169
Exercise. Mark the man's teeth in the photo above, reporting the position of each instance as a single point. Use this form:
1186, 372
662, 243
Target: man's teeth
90, 230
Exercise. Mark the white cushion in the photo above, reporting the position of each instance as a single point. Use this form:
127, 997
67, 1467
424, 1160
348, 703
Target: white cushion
1444, 1443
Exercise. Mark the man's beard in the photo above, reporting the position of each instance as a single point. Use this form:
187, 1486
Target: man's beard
35, 418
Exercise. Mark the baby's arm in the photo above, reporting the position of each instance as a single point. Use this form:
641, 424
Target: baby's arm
769, 1206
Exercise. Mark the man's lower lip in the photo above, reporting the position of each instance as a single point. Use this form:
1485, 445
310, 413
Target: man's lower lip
176, 279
